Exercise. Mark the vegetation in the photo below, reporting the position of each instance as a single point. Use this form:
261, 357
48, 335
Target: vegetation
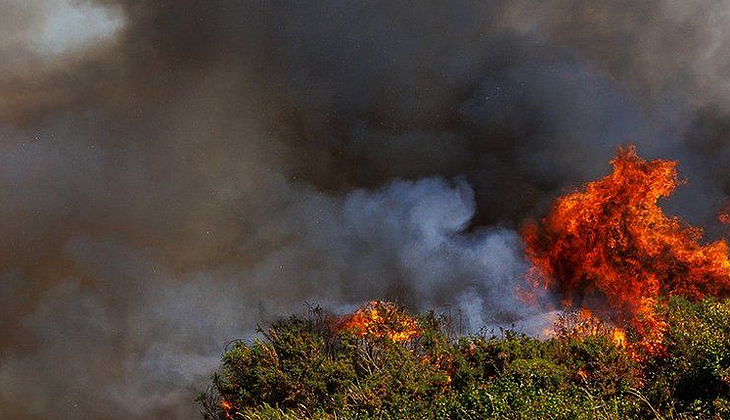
311, 368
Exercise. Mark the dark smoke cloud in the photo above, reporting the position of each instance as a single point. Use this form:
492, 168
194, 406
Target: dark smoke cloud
172, 176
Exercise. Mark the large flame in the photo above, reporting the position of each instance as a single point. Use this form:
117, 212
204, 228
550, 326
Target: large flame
382, 320
609, 247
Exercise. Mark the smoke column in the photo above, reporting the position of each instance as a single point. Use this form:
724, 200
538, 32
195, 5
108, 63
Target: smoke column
172, 176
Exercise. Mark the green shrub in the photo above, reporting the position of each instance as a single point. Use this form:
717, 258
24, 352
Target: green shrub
694, 377
307, 368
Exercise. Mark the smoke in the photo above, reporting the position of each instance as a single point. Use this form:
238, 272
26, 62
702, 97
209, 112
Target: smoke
173, 176
140, 340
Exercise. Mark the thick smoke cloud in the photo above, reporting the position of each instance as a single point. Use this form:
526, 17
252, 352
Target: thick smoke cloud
140, 339
173, 176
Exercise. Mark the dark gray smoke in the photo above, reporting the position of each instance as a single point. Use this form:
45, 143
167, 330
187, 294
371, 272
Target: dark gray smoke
173, 174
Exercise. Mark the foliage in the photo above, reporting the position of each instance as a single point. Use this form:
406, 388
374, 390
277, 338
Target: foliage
310, 368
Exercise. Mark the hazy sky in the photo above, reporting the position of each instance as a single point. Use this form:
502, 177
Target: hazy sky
174, 173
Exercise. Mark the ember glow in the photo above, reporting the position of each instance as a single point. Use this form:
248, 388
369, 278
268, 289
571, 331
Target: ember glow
583, 323
619, 337
382, 320
610, 248
227, 408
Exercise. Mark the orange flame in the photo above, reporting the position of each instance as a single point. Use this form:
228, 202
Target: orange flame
382, 320
619, 337
582, 373
609, 247
583, 323
227, 407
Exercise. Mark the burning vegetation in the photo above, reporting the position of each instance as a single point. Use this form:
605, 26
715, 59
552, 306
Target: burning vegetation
379, 319
311, 368
610, 248
643, 334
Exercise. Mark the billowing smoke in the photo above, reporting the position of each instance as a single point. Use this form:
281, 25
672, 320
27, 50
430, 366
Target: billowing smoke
140, 338
173, 175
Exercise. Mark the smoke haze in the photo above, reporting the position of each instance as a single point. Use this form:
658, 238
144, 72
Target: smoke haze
172, 176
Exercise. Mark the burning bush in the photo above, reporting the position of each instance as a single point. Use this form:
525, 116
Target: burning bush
380, 319
379, 359
628, 274
610, 248
311, 368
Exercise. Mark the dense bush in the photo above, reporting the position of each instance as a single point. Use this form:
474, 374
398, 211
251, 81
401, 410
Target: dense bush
308, 368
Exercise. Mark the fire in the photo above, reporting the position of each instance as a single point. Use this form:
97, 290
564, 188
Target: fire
227, 407
619, 337
609, 247
382, 320
583, 323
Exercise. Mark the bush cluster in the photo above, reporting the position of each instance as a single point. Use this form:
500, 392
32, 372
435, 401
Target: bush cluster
305, 368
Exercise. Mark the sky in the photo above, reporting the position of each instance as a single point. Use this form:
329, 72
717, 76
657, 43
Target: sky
174, 174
